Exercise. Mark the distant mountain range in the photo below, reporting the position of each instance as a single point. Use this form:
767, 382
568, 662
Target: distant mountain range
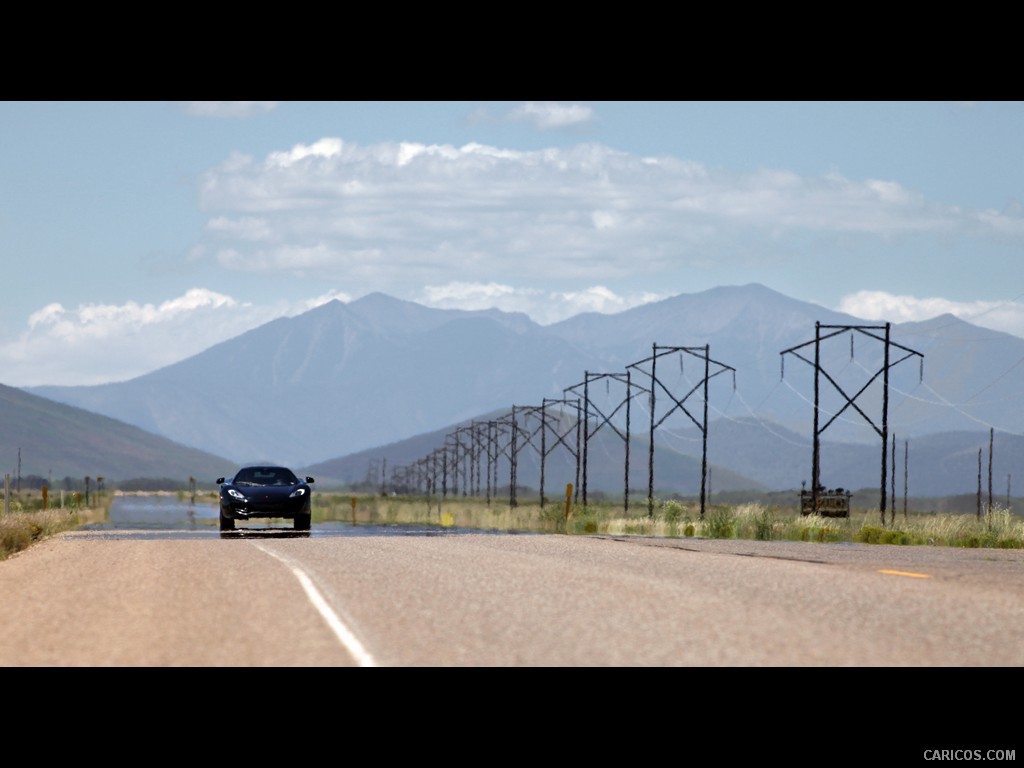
58, 441
743, 455
345, 388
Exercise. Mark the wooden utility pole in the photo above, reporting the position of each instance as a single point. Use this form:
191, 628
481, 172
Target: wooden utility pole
979, 486
905, 450
892, 484
991, 439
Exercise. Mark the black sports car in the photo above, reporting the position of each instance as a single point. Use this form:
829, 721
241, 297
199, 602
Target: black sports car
265, 492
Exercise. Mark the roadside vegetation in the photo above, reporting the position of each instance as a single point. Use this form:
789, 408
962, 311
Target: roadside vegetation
996, 528
29, 518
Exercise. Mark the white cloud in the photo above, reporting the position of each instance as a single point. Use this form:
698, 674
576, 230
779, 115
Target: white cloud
249, 228
296, 260
889, 191
1009, 222
547, 115
96, 321
324, 148
324, 298
544, 307
469, 295
397, 216
97, 343
227, 108
1007, 316
600, 299
782, 201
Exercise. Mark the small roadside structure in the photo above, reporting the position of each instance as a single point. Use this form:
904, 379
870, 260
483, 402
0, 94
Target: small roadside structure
827, 502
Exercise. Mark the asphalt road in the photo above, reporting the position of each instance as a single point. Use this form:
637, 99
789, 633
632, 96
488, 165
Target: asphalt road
173, 596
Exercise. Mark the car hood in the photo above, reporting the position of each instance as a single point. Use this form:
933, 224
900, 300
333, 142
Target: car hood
267, 491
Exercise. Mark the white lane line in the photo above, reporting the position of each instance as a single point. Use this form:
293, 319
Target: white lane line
343, 633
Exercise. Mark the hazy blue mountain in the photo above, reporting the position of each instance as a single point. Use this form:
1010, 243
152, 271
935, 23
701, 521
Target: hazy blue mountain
343, 380
939, 464
58, 441
743, 455
417, 458
338, 379
748, 328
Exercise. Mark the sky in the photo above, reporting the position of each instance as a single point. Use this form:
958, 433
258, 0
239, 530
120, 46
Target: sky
137, 234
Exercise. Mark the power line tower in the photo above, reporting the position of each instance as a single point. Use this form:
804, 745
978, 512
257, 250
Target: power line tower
453, 462
509, 425
831, 332
605, 420
470, 458
438, 454
560, 437
679, 404
493, 451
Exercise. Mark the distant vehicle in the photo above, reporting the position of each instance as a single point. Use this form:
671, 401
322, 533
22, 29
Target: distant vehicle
265, 492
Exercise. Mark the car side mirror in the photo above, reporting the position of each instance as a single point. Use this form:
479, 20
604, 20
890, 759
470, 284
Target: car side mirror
220, 481
310, 480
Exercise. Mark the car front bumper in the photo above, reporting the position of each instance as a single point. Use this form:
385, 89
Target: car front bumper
239, 510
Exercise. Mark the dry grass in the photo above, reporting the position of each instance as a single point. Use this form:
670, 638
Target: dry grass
999, 528
19, 530
27, 522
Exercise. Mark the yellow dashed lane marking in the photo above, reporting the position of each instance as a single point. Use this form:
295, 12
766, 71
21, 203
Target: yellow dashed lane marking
907, 573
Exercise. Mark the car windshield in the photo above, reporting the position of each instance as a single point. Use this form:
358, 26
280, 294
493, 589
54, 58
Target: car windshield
266, 476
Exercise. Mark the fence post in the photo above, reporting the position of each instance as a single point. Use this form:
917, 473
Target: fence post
7, 494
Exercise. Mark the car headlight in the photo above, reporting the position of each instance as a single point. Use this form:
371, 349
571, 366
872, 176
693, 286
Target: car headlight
296, 493
236, 494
